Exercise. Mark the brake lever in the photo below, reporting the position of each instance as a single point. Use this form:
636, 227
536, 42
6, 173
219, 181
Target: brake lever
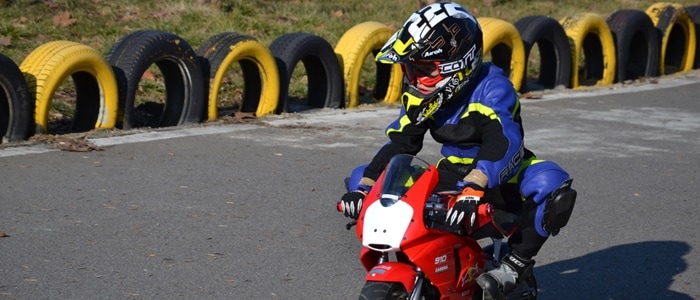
351, 224
339, 208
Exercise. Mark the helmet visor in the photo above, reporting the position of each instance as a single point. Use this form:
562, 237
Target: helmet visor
426, 73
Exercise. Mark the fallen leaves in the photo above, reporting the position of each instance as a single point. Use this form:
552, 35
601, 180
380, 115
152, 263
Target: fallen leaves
67, 143
5, 41
532, 95
238, 117
148, 75
63, 19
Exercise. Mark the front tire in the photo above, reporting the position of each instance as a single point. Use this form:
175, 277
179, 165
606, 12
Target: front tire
377, 290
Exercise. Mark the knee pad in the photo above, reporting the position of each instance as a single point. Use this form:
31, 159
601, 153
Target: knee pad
554, 213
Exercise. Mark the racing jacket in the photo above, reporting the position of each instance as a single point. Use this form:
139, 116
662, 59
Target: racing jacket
480, 128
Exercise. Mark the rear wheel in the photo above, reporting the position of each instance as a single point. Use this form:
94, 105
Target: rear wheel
377, 290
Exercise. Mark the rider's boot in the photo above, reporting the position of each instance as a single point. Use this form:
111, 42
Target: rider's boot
499, 282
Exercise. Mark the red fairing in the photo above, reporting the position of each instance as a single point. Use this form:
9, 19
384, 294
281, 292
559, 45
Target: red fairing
369, 258
449, 262
393, 272
416, 196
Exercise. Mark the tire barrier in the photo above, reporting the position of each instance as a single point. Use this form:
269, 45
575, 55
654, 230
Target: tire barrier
185, 94
592, 42
353, 47
694, 13
46, 68
325, 80
578, 50
678, 39
260, 74
503, 41
16, 103
554, 52
636, 44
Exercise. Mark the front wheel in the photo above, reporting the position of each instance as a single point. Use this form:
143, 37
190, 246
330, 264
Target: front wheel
377, 290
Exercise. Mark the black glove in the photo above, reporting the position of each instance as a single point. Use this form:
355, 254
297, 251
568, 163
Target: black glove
352, 203
465, 208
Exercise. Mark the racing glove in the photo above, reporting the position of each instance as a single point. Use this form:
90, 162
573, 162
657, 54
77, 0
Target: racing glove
465, 208
351, 202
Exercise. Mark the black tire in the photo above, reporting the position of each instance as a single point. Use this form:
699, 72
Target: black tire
636, 44
16, 103
185, 92
694, 12
555, 53
326, 86
377, 290
258, 66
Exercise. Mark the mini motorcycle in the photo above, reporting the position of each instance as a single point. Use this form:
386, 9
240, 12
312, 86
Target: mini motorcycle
408, 250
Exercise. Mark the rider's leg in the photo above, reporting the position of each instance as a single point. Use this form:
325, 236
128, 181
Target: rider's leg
353, 182
546, 186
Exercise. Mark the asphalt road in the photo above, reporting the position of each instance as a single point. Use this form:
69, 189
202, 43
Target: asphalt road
247, 211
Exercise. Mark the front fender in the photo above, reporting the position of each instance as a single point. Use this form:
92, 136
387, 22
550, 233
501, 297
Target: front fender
393, 272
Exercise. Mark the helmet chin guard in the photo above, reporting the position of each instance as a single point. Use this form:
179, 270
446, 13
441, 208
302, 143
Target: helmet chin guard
420, 107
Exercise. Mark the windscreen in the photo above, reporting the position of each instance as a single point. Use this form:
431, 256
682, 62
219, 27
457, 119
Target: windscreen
401, 173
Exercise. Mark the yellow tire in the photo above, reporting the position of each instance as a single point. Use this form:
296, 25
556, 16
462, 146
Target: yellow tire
503, 41
47, 66
678, 40
590, 37
260, 72
362, 40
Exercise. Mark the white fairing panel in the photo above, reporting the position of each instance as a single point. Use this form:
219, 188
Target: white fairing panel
385, 227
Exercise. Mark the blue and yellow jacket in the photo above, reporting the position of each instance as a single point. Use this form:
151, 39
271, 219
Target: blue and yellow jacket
481, 128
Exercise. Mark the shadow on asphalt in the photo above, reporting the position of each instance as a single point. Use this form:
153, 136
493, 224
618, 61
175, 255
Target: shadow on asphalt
643, 270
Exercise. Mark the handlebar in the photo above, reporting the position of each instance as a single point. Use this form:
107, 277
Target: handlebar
339, 208
436, 207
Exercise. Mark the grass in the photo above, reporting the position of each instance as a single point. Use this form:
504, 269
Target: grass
26, 24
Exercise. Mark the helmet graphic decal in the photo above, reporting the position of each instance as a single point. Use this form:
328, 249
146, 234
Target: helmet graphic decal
444, 35
470, 59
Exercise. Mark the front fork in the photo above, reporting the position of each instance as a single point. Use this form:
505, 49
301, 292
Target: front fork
417, 285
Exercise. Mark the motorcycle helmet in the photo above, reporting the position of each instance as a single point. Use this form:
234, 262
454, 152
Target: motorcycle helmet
440, 49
